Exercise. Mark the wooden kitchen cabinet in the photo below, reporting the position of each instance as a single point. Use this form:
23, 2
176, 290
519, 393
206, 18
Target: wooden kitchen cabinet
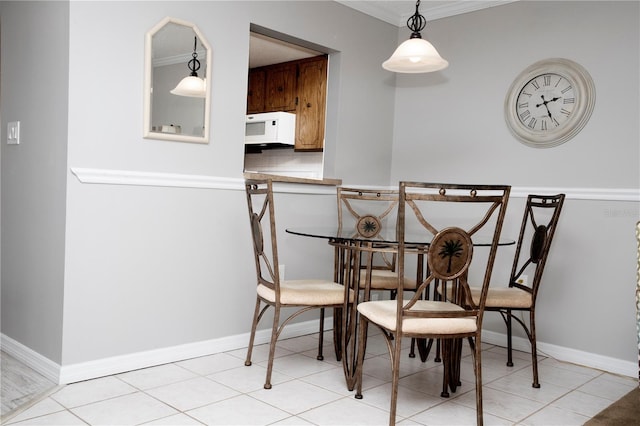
272, 88
280, 87
296, 86
310, 111
256, 91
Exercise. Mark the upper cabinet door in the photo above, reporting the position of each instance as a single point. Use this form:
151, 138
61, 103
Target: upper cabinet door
310, 113
281, 87
256, 91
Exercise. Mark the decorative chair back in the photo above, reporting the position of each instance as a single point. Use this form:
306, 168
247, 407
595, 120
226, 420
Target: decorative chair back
263, 231
538, 227
454, 218
368, 213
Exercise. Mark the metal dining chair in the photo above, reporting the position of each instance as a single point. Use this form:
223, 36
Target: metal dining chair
447, 218
272, 291
367, 213
538, 227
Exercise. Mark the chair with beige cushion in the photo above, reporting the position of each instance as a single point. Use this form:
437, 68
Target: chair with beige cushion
367, 213
448, 219
302, 295
538, 227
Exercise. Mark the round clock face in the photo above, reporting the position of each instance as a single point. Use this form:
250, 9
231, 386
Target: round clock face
549, 102
545, 102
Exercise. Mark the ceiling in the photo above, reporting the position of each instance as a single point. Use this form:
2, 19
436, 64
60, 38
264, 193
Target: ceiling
266, 51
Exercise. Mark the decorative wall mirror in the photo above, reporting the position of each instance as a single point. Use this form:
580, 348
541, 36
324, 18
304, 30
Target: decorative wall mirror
177, 93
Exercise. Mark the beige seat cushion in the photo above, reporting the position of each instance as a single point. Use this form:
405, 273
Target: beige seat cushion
306, 292
384, 279
384, 313
503, 297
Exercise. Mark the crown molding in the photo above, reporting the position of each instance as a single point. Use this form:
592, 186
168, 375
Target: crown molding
458, 8
391, 14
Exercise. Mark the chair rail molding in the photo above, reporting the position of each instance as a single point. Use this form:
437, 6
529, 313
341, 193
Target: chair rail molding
141, 178
169, 180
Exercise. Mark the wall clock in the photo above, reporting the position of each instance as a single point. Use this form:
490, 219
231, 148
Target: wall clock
549, 102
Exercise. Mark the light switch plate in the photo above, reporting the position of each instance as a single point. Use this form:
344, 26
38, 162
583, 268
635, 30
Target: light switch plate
13, 133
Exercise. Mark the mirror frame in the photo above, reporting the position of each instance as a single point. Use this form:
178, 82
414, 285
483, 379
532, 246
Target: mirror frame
148, 79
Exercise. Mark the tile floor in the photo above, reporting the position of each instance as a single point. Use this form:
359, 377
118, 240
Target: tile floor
19, 385
219, 390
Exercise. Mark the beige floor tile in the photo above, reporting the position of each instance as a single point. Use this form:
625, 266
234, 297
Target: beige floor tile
175, 420
192, 393
582, 403
297, 365
153, 377
501, 404
241, 410
346, 411
609, 387
553, 416
124, 410
211, 364
90, 391
41, 408
451, 413
521, 386
247, 379
409, 402
295, 396
62, 418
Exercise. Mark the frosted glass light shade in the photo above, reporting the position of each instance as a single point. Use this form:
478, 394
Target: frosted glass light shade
415, 55
194, 87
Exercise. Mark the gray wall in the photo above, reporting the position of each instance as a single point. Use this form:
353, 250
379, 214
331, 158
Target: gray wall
34, 87
587, 300
153, 266
147, 268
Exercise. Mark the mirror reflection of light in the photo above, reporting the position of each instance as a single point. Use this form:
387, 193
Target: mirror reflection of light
192, 85
195, 87
174, 49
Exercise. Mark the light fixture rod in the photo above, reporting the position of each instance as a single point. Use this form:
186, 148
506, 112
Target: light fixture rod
194, 63
416, 23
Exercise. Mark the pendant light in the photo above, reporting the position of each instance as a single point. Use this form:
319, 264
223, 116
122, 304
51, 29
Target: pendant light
192, 85
415, 55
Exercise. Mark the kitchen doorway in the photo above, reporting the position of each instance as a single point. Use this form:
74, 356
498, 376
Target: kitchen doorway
281, 67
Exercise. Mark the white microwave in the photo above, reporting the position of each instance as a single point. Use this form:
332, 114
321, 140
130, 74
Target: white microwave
270, 128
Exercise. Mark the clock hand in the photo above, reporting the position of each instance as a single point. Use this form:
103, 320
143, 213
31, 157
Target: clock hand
545, 102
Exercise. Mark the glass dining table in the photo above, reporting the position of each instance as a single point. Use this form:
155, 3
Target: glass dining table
353, 253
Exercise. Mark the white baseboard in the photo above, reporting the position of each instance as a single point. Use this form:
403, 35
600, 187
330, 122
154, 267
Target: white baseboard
587, 359
120, 364
30, 358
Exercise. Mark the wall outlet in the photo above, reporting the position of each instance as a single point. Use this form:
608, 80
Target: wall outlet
524, 280
13, 133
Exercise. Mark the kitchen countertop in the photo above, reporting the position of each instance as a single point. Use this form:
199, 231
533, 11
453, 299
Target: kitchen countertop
289, 179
